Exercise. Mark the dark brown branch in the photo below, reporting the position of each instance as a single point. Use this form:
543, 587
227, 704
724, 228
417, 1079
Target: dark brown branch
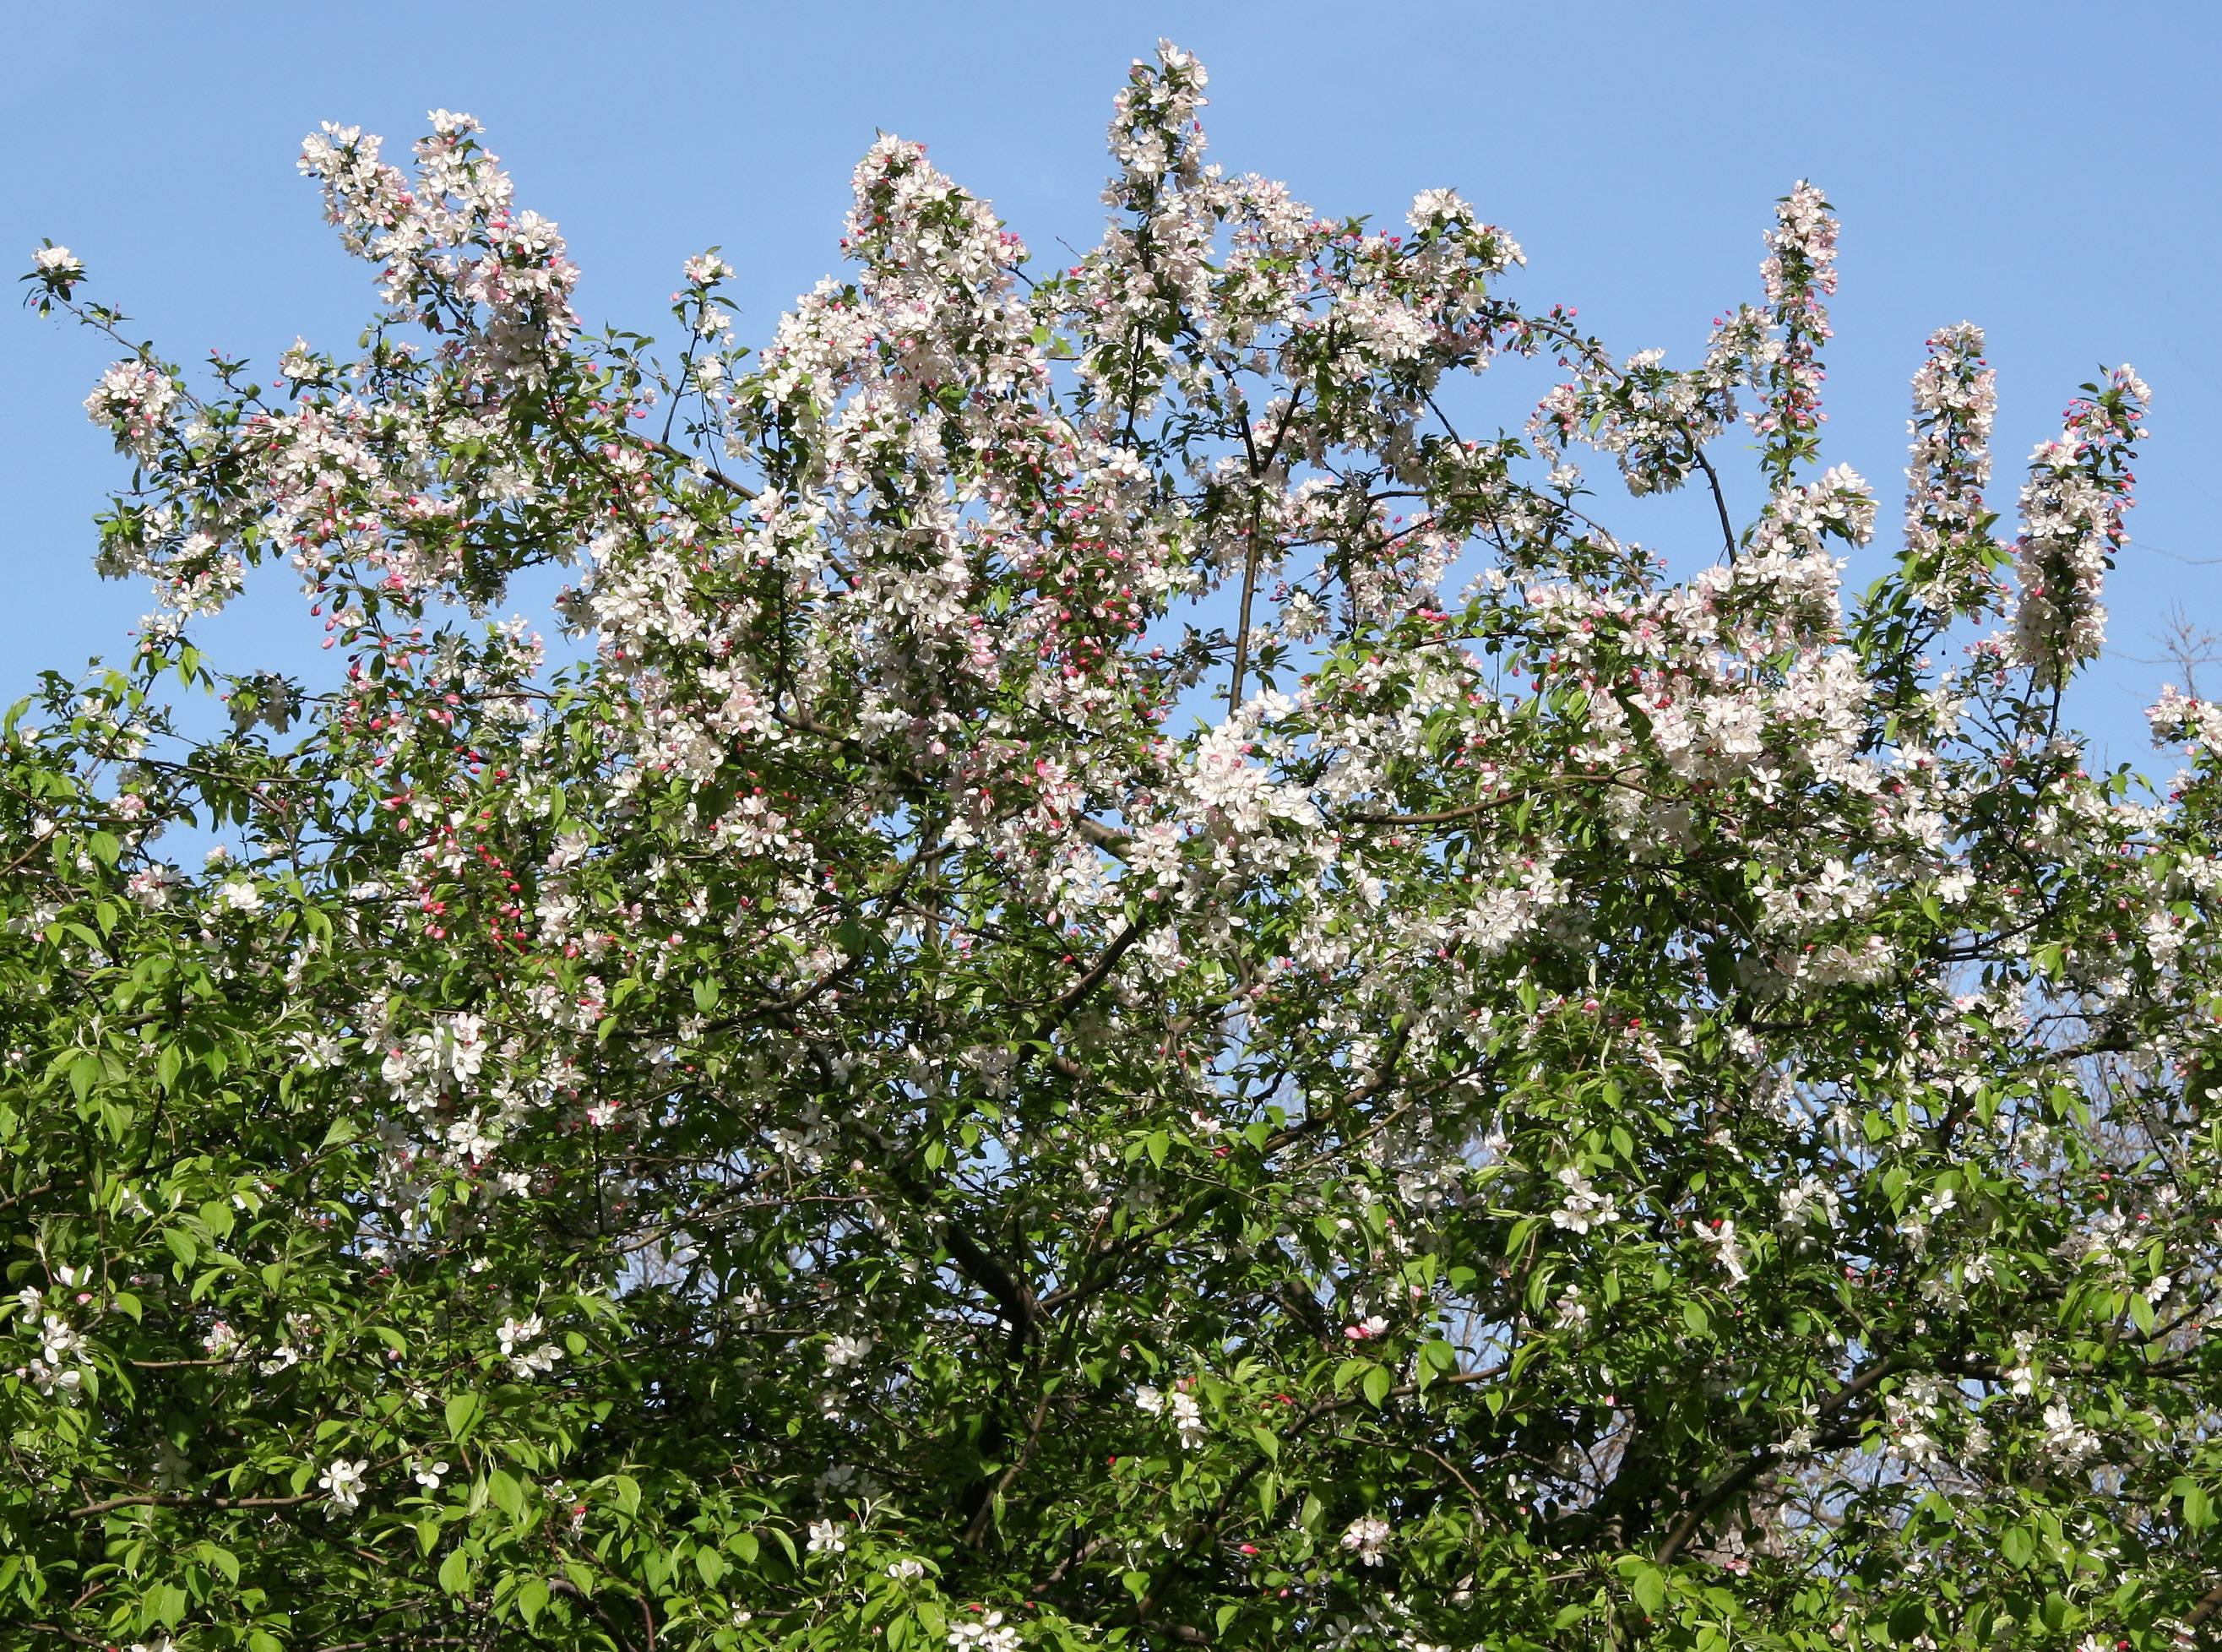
184, 1500
1070, 998
565, 1587
1720, 499
1468, 811
2209, 1604
68, 1634
1729, 1486
737, 489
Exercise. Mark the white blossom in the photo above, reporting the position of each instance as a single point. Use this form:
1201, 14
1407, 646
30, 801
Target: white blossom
1368, 1538
342, 1484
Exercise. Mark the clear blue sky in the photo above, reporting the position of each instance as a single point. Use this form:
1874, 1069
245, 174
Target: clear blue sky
2048, 170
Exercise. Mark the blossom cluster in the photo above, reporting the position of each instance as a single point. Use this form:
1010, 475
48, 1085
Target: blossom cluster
2072, 512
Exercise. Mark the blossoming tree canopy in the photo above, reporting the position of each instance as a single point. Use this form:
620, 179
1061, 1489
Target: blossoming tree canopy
1127, 992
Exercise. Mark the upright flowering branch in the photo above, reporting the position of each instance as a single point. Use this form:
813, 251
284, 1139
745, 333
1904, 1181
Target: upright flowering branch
1946, 567
2073, 508
1657, 420
453, 248
1948, 550
1799, 274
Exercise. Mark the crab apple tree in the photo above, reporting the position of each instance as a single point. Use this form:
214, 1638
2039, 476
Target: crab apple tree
1122, 981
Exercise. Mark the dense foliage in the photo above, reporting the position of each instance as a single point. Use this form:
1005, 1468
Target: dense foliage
1119, 991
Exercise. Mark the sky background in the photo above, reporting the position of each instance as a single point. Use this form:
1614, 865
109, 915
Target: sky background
2046, 170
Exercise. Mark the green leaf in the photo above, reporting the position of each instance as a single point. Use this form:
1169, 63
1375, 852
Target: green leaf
461, 1411
531, 1600
1376, 1385
1650, 1588
508, 1496
2198, 1508
455, 1573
